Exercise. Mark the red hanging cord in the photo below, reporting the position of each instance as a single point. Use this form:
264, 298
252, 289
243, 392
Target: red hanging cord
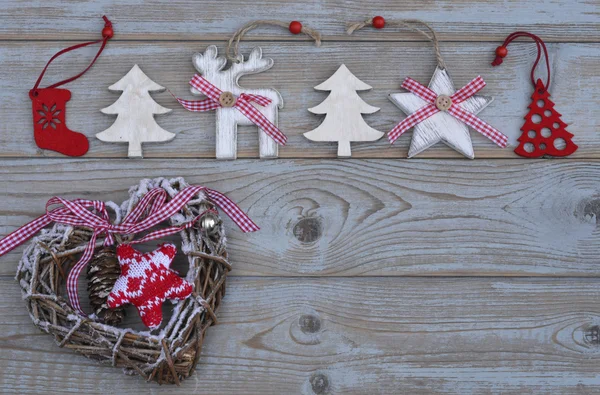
107, 33
501, 52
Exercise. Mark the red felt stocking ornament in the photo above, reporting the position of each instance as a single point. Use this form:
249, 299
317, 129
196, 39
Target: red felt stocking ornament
49, 107
543, 129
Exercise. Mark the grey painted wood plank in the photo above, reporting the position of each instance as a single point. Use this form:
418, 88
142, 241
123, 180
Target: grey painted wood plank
576, 73
187, 19
370, 335
360, 217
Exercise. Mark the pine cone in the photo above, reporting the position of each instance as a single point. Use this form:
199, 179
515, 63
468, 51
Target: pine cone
103, 271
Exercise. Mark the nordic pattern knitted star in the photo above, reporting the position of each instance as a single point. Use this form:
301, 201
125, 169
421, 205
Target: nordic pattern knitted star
146, 281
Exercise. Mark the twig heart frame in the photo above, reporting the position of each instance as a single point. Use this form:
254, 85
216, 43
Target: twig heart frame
169, 354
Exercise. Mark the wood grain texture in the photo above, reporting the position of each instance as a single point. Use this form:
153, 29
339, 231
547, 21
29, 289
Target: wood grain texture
359, 336
360, 217
297, 68
472, 20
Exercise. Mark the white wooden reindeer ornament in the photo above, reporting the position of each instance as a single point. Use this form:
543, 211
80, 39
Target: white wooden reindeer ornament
210, 66
135, 111
343, 107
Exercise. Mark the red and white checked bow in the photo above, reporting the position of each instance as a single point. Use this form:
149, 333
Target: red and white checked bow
242, 104
77, 213
455, 110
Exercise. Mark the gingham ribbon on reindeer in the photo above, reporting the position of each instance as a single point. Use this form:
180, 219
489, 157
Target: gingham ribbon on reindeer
455, 110
77, 213
242, 104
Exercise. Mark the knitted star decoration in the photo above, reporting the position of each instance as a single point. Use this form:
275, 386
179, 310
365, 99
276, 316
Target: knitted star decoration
146, 282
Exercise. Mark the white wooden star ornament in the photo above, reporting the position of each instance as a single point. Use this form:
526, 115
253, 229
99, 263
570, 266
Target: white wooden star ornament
440, 113
437, 112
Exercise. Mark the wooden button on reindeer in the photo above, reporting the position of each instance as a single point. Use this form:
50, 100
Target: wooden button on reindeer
235, 105
227, 99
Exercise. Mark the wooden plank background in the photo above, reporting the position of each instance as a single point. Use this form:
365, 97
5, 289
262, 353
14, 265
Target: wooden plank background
375, 274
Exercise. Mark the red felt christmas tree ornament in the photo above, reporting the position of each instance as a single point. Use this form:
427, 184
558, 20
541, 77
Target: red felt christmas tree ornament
49, 106
544, 132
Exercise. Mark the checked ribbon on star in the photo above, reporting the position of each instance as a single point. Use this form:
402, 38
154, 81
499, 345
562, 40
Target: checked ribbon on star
455, 105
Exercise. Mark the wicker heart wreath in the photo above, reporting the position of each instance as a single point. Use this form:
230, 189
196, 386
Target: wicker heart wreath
168, 354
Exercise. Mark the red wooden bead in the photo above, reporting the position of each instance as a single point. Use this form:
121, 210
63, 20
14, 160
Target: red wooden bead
501, 51
107, 32
378, 22
295, 27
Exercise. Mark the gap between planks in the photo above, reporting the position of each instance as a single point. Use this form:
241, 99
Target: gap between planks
279, 39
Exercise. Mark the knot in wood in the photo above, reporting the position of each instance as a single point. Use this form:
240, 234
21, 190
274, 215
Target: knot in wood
592, 335
309, 323
443, 102
308, 230
227, 99
592, 209
319, 383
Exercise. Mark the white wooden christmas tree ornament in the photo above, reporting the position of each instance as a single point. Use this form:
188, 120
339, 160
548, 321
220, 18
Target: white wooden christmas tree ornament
210, 66
135, 111
343, 107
